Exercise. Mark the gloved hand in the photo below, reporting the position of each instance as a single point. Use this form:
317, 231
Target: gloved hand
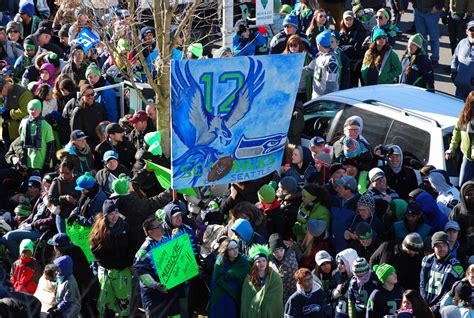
298, 228
71, 219
6, 115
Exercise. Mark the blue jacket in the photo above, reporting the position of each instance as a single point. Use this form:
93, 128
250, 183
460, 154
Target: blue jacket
245, 47
68, 296
431, 212
462, 65
342, 214
400, 230
108, 100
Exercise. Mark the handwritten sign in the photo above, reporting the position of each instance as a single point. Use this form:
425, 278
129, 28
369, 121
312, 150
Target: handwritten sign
79, 236
175, 262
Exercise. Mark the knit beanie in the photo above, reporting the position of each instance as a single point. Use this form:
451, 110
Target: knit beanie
30, 41
439, 237
291, 19
383, 271
196, 49
221, 51
108, 207
316, 227
364, 231
26, 245
22, 209
463, 291
64, 31
398, 207
286, 9
357, 8
84, 182
153, 140
289, 184
416, 39
351, 147
324, 38
360, 267
310, 191
120, 186
93, 69
13, 25
413, 242
377, 33
275, 241
324, 159
367, 201
266, 194
27, 8
34, 104
334, 167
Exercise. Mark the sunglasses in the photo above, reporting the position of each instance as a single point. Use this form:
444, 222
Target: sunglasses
379, 17
383, 37
322, 16
471, 30
293, 45
13, 31
160, 227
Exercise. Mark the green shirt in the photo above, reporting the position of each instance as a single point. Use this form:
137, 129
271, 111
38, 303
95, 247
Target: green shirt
35, 157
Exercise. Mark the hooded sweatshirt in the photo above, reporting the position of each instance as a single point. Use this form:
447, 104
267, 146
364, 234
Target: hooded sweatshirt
431, 212
448, 196
249, 237
68, 297
308, 305
307, 172
348, 256
463, 211
400, 179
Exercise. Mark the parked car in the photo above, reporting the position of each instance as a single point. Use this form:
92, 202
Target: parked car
419, 121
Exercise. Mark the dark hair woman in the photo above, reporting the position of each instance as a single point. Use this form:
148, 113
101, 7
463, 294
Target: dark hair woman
413, 300
228, 277
416, 66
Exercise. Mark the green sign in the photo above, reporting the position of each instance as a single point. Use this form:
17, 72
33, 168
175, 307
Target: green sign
175, 262
79, 236
163, 175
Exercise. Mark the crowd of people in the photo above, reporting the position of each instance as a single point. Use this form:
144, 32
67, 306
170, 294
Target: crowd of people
343, 230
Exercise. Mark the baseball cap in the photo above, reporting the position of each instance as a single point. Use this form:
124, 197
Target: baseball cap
78, 135
317, 141
470, 25
114, 128
34, 181
452, 225
322, 257
60, 240
110, 154
348, 182
139, 116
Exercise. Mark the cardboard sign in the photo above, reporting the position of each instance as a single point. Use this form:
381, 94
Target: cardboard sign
264, 12
175, 262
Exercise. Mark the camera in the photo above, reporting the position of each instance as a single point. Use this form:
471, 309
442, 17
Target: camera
385, 150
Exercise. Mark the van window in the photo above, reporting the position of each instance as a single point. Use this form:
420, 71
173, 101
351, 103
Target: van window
375, 125
318, 118
412, 140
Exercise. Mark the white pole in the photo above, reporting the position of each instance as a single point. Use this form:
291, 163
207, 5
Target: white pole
228, 22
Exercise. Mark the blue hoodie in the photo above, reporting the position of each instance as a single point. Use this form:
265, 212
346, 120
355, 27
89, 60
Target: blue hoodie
68, 296
244, 229
431, 212
64, 263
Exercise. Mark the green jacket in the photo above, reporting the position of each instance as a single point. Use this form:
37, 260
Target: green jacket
16, 103
264, 302
390, 68
307, 213
462, 138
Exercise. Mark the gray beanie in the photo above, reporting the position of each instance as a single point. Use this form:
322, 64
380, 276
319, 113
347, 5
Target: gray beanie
316, 227
289, 184
450, 312
439, 237
413, 242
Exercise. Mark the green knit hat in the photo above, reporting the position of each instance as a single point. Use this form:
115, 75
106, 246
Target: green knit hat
28, 245
398, 207
266, 194
286, 9
383, 271
416, 39
23, 209
93, 69
377, 33
196, 49
153, 140
120, 186
34, 104
257, 251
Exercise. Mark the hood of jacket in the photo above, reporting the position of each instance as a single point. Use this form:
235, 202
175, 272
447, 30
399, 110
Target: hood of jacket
243, 228
438, 181
399, 150
64, 263
428, 204
465, 208
348, 256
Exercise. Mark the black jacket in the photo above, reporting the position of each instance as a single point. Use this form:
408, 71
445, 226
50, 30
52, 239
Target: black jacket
351, 41
125, 149
87, 119
102, 177
403, 182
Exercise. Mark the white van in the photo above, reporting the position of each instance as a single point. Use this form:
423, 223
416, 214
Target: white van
419, 121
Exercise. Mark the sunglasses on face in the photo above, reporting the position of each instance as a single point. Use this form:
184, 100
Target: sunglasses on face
471, 30
379, 17
13, 31
293, 45
381, 38
321, 16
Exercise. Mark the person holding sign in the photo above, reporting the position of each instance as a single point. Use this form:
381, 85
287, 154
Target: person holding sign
156, 299
262, 293
110, 246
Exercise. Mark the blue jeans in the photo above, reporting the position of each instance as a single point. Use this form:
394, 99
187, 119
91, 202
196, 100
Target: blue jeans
427, 24
467, 171
60, 224
13, 239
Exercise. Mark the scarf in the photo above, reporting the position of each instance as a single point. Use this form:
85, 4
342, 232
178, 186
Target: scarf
33, 140
363, 279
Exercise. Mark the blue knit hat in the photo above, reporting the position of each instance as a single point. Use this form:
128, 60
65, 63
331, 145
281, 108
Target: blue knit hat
291, 19
324, 38
377, 33
27, 8
85, 182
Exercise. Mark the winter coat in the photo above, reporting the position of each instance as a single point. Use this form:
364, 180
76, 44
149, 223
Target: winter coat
381, 205
462, 213
77, 74
446, 271
306, 213
265, 301
462, 65
115, 253
290, 205
89, 205
108, 99
366, 251
145, 179
25, 274
407, 267
226, 287
68, 297
462, 138
403, 182
286, 268
136, 210
16, 104
274, 218
340, 298
83, 162
245, 47
41, 219
389, 69
248, 235
400, 229
125, 150
384, 303
427, 5
105, 177
86, 119
417, 70
278, 43
57, 195
431, 212
342, 214
359, 292
307, 173
351, 41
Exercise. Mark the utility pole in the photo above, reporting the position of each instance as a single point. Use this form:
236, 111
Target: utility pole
228, 22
